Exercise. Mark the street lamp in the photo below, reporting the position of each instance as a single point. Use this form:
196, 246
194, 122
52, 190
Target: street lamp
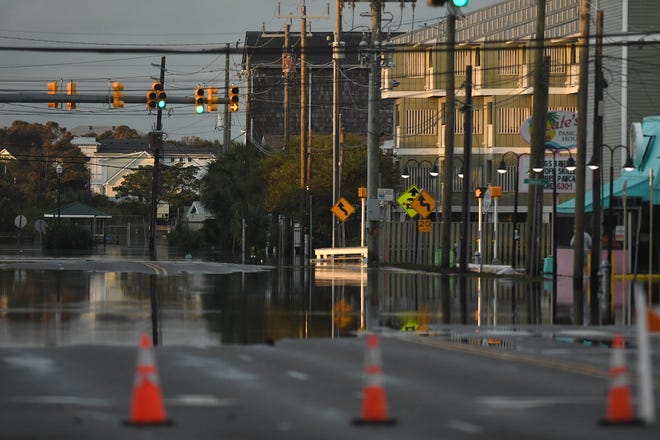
539, 168
58, 170
501, 169
435, 171
405, 174
628, 165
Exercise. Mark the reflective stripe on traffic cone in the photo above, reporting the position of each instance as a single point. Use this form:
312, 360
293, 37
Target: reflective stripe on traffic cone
374, 401
619, 401
147, 406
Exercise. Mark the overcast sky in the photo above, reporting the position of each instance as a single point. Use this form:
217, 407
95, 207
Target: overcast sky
39, 23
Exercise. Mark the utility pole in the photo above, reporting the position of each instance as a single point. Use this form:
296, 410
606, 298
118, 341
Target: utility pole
467, 175
286, 71
337, 55
227, 131
373, 130
580, 172
597, 157
450, 123
537, 151
156, 143
303, 97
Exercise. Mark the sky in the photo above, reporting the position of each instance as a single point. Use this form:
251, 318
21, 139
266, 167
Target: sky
158, 23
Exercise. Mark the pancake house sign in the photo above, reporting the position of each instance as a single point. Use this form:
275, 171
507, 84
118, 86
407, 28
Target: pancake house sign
560, 130
560, 134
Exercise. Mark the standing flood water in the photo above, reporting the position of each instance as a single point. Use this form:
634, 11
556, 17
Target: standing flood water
52, 307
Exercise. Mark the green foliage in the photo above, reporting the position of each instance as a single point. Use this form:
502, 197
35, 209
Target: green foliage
67, 236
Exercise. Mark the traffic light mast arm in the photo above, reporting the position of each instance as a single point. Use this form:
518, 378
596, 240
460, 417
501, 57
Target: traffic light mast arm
91, 98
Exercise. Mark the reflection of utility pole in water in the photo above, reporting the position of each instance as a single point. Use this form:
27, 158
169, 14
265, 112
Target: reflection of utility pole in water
154, 309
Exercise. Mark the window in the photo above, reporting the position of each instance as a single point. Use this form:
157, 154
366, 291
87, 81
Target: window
557, 59
421, 122
509, 119
461, 60
415, 64
507, 62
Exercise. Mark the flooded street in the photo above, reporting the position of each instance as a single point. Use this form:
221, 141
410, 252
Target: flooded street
61, 303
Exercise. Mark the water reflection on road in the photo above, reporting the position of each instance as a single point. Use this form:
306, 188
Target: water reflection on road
52, 308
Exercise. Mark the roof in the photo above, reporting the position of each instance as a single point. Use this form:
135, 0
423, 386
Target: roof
504, 21
127, 146
266, 48
77, 210
84, 140
646, 158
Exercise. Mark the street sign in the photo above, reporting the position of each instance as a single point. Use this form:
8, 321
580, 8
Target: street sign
485, 204
424, 204
405, 200
424, 225
342, 209
20, 221
532, 181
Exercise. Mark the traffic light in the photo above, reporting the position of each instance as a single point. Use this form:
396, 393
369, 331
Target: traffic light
151, 99
52, 90
71, 90
212, 99
480, 192
199, 100
233, 98
161, 97
117, 95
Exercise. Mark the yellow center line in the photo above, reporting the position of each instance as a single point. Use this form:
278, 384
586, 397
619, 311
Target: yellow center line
158, 269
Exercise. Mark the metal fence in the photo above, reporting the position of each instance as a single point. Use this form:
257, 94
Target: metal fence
402, 243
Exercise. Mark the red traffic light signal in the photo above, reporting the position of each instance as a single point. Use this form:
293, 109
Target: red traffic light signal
480, 192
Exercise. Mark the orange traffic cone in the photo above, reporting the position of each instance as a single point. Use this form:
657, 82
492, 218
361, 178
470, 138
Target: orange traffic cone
619, 401
653, 319
147, 406
374, 402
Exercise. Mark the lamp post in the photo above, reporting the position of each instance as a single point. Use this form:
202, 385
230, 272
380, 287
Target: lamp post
628, 165
503, 170
58, 170
539, 168
405, 174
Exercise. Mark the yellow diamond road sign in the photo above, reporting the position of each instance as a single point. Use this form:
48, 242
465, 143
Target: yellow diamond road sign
405, 200
342, 209
424, 204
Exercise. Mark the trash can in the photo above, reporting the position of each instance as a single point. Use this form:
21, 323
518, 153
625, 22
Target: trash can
547, 264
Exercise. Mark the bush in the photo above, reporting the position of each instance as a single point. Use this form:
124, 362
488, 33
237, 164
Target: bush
68, 236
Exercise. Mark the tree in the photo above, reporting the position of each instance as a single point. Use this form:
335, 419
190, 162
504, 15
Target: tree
178, 184
119, 132
233, 190
37, 149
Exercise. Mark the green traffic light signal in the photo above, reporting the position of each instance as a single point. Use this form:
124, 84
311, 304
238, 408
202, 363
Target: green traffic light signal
460, 3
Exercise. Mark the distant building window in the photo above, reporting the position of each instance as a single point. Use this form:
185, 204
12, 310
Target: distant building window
507, 62
421, 122
461, 61
509, 119
415, 64
557, 59
477, 121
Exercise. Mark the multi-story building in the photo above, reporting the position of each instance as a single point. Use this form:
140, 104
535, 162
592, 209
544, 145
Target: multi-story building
497, 42
273, 71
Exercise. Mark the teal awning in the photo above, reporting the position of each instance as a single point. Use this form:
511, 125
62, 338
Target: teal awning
638, 186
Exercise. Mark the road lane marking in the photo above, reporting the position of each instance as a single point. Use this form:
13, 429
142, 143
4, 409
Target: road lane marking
36, 365
61, 400
468, 428
156, 268
297, 375
531, 402
200, 400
